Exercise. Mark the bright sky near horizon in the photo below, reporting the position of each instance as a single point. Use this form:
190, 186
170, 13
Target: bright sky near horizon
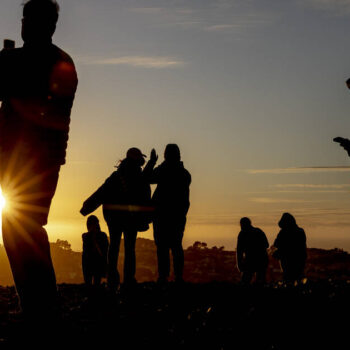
252, 91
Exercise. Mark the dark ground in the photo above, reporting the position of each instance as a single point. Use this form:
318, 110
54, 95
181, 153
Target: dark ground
214, 315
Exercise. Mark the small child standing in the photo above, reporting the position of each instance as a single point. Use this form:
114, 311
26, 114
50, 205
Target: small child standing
95, 249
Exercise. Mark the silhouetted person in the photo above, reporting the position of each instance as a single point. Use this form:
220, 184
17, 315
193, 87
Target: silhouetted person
95, 249
125, 197
252, 258
345, 143
171, 202
37, 87
291, 248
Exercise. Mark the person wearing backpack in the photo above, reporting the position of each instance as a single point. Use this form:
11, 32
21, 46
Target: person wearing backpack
125, 197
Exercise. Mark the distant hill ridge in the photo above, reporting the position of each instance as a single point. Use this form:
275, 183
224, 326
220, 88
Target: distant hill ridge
202, 264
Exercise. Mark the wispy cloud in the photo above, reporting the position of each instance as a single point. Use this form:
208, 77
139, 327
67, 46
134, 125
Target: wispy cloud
147, 10
268, 200
215, 16
221, 27
314, 186
338, 7
158, 62
300, 170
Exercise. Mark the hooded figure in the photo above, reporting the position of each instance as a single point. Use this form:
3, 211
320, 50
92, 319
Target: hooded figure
291, 248
171, 204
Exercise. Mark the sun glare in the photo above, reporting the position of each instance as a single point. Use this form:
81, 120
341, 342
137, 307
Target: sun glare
2, 201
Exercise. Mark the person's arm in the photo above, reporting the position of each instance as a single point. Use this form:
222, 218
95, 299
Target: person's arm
266, 242
149, 173
2, 76
98, 197
239, 252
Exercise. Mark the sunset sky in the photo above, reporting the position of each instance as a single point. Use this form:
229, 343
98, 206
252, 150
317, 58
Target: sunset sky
253, 92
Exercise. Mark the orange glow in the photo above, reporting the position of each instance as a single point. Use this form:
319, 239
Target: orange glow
2, 201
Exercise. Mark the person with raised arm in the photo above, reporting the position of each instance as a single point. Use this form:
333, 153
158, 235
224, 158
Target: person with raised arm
171, 204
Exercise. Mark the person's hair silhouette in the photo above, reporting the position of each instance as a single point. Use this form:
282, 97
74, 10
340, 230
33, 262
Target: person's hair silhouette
252, 258
37, 89
39, 20
172, 153
291, 248
95, 248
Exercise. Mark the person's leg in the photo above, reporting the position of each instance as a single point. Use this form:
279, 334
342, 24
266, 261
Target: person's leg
26, 242
261, 277
178, 256
87, 273
115, 234
162, 250
163, 257
247, 277
130, 256
97, 279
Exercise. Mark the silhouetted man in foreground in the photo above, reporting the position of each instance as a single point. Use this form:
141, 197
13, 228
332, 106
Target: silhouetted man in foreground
171, 202
37, 86
125, 197
95, 249
252, 255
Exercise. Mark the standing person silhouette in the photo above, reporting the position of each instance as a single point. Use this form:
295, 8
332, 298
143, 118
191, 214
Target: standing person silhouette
291, 248
125, 197
345, 143
95, 249
37, 87
171, 202
251, 250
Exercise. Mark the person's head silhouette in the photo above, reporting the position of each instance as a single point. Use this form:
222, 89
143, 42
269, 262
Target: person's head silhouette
135, 155
93, 223
287, 221
39, 20
245, 223
172, 153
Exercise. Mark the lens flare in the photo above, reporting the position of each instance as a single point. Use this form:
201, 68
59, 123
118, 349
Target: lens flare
2, 201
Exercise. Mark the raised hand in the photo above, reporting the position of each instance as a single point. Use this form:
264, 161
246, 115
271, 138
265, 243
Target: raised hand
154, 156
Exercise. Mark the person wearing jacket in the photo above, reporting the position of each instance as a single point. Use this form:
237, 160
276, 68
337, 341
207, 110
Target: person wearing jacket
125, 197
171, 204
251, 251
95, 249
291, 248
37, 87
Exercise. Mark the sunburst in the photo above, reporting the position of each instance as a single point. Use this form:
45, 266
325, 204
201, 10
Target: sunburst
2, 201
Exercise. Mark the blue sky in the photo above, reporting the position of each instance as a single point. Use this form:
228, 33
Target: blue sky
253, 91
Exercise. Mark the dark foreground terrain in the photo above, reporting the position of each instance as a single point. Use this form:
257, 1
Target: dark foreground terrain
217, 315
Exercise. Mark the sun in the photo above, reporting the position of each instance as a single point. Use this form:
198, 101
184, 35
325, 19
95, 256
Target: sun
2, 201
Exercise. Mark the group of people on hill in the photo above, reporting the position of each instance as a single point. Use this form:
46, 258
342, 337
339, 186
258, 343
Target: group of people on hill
128, 208
289, 248
37, 89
